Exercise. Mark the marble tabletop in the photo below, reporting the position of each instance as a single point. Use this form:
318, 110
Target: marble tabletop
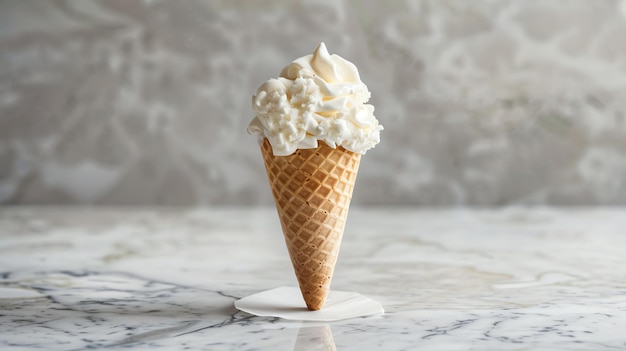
166, 279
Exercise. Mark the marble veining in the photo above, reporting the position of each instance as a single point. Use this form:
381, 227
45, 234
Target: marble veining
484, 103
166, 279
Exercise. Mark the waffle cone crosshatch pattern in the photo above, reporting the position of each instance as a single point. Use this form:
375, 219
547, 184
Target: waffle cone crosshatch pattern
312, 189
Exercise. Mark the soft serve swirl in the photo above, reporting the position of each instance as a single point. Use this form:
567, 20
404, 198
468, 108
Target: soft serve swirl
316, 97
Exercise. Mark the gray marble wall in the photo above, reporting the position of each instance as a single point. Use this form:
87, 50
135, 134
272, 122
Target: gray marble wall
484, 103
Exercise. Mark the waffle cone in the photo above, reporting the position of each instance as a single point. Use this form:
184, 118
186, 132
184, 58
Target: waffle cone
312, 189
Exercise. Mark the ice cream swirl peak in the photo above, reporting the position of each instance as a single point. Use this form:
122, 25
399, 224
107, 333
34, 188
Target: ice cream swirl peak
316, 97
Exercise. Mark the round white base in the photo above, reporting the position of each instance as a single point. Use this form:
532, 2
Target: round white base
287, 303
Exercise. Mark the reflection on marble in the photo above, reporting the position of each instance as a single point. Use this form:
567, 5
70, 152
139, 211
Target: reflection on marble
511, 279
318, 338
146, 102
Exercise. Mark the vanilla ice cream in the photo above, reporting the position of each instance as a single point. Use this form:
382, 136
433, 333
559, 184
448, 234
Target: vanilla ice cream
316, 97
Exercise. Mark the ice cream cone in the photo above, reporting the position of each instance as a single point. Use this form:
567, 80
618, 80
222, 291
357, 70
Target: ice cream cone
312, 189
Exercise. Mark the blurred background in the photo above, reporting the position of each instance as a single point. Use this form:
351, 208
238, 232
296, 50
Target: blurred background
484, 103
